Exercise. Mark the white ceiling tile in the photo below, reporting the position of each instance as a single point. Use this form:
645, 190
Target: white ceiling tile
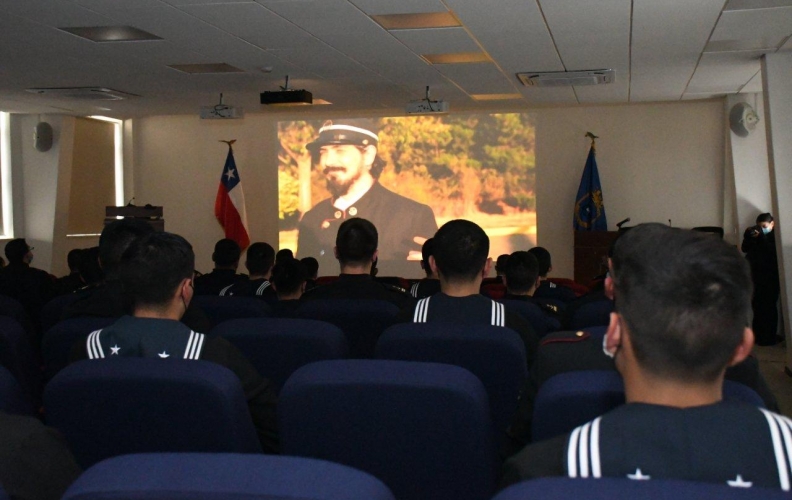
754, 85
555, 95
751, 24
787, 45
374, 7
58, 14
756, 4
664, 53
437, 41
724, 72
481, 78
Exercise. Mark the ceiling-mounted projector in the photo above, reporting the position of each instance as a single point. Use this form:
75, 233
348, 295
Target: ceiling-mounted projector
220, 111
567, 78
287, 97
426, 105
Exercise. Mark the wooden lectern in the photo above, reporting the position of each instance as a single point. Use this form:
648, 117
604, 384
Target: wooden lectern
591, 254
148, 214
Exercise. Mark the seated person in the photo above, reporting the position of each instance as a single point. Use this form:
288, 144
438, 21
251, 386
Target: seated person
106, 299
683, 315
312, 268
30, 286
431, 284
35, 461
521, 277
157, 272
460, 261
72, 281
356, 251
289, 278
283, 254
548, 289
226, 259
259, 260
500, 265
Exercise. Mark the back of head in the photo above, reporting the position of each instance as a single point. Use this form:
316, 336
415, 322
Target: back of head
15, 250
284, 254
427, 250
153, 267
500, 264
115, 239
543, 257
226, 253
73, 259
461, 249
288, 276
88, 266
521, 272
260, 258
356, 241
311, 267
685, 297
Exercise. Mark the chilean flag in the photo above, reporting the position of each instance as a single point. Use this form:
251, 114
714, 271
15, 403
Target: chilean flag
230, 203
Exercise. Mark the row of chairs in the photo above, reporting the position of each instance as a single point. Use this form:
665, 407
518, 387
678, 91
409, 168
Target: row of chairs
223, 476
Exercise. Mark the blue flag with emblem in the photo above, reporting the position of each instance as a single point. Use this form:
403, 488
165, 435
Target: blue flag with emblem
589, 209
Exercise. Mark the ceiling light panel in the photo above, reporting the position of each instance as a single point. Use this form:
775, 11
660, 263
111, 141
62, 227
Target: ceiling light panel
495, 97
195, 69
112, 33
437, 41
425, 20
457, 58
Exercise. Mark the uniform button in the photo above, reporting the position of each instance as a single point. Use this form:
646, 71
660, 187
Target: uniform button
325, 224
353, 211
579, 334
338, 214
321, 252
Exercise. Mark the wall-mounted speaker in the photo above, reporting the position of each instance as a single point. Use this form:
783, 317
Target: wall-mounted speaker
42, 136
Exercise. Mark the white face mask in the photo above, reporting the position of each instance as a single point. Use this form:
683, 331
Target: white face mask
766, 230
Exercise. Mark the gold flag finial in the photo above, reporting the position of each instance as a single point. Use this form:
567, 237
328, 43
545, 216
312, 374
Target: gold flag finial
593, 139
230, 143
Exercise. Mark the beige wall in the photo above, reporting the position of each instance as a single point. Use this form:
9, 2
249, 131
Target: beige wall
92, 175
656, 162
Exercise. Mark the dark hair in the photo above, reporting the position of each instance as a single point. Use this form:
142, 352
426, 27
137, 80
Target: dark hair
153, 267
226, 253
356, 241
685, 297
521, 271
311, 267
461, 248
260, 258
288, 276
15, 250
284, 253
73, 259
500, 264
427, 250
88, 265
543, 257
766, 217
115, 239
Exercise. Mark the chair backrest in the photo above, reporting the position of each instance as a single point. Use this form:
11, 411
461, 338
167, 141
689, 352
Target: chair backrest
494, 354
362, 321
568, 400
52, 310
18, 355
495, 291
58, 340
279, 346
596, 313
422, 428
541, 322
562, 488
219, 309
134, 405
12, 398
220, 476
12, 308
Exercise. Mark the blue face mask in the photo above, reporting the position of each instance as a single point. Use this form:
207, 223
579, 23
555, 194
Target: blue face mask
766, 230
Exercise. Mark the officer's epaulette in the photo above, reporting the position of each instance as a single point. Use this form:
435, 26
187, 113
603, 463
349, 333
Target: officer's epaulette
565, 337
394, 288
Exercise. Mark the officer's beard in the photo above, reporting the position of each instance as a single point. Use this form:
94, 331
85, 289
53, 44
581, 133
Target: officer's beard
340, 188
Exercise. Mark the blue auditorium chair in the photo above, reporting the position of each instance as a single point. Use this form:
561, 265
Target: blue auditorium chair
541, 322
58, 340
563, 488
424, 429
363, 321
222, 476
494, 354
12, 398
12, 308
568, 400
52, 310
113, 407
279, 346
596, 313
18, 355
219, 309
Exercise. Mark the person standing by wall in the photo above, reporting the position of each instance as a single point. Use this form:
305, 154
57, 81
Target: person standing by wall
760, 249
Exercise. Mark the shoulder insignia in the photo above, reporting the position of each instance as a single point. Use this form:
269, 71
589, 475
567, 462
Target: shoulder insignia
394, 288
550, 307
565, 337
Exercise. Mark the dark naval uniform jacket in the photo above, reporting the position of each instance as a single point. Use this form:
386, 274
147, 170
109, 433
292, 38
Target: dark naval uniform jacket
361, 287
731, 443
398, 220
260, 288
163, 338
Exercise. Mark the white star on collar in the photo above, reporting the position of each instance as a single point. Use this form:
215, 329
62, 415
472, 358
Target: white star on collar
163, 354
115, 349
638, 476
739, 482
230, 174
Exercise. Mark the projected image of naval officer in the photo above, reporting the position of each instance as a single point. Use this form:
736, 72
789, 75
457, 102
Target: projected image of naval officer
346, 153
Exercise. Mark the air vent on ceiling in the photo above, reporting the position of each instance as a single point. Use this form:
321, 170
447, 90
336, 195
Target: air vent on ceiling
567, 78
83, 93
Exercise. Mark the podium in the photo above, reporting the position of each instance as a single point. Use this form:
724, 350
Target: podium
148, 214
591, 254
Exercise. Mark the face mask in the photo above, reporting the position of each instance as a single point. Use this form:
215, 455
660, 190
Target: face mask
766, 230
